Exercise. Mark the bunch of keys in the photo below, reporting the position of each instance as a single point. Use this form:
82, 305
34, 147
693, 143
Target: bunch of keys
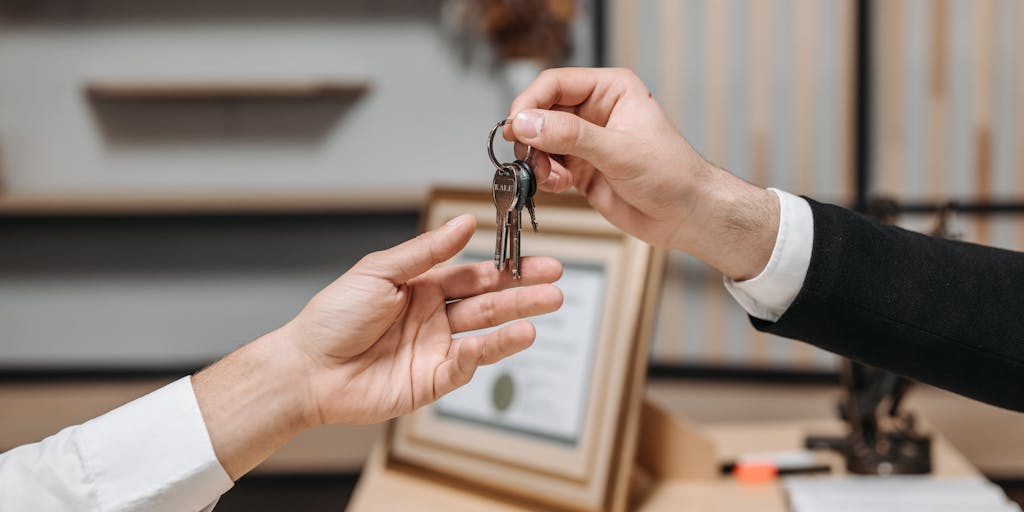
513, 188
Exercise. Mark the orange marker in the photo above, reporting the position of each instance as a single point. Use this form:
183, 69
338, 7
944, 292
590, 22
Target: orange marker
755, 472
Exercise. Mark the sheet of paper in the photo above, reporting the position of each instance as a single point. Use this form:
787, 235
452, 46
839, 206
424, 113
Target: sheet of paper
542, 391
896, 493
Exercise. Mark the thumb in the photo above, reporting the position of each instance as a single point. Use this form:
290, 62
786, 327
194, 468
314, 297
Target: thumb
403, 262
562, 133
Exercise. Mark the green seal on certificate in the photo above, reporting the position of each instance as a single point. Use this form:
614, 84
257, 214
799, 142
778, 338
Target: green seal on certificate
504, 392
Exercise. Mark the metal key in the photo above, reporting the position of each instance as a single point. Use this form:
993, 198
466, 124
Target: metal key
505, 191
512, 188
515, 232
528, 189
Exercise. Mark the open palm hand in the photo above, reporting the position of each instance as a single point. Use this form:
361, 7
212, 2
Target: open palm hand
381, 336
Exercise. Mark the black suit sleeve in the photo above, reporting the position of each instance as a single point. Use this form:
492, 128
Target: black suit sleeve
947, 313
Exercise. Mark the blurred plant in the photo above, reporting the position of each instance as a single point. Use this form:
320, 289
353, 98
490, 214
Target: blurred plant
536, 30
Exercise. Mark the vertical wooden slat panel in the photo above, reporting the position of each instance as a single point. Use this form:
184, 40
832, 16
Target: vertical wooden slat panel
670, 319
672, 90
717, 78
624, 14
757, 340
1019, 116
847, 86
695, 73
982, 181
718, 114
892, 147
1004, 125
985, 34
804, 85
919, 177
758, 352
715, 340
937, 127
760, 58
761, 39
940, 46
672, 51
959, 91
960, 79
806, 24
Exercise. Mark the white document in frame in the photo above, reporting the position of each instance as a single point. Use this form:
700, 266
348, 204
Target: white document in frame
542, 391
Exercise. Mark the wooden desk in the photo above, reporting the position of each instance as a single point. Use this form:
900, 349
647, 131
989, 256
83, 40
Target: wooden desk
734, 438
383, 489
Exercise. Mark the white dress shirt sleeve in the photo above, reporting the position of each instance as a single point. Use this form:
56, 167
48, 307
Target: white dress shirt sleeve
150, 454
768, 295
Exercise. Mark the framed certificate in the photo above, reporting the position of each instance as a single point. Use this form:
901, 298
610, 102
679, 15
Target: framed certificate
556, 423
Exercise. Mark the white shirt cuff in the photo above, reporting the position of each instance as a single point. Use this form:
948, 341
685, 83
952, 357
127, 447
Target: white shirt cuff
153, 453
768, 295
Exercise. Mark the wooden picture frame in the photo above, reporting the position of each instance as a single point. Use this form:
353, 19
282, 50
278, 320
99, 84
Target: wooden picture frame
594, 377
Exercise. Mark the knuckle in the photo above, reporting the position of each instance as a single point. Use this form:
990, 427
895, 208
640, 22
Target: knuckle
581, 138
484, 351
491, 280
526, 302
567, 133
504, 340
622, 73
489, 311
371, 260
627, 79
435, 251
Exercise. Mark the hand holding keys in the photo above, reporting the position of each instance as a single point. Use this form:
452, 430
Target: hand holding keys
512, 188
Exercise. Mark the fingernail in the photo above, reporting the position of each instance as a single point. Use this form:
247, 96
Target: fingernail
552, 180
457, 221
528, 124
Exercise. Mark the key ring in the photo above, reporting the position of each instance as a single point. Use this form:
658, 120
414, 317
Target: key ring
490, 145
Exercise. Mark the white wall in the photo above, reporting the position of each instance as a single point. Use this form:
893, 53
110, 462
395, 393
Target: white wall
423, 120
122, 292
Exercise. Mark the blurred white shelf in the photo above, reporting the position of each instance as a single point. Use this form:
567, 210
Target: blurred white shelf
325, 201
224, 90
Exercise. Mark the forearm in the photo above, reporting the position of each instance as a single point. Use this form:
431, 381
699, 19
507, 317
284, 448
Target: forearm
943, 312
254, 400
732, 225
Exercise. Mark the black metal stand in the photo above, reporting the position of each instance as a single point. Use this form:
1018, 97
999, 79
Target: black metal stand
883, 439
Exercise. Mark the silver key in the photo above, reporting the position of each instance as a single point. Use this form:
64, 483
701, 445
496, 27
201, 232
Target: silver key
515, 231
532, 208
527, 189
512, 188
505, 191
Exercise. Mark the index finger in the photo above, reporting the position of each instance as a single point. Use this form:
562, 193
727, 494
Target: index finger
405, 261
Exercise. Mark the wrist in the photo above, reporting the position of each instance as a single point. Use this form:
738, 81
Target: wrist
254, 400
732, 225
298, 367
